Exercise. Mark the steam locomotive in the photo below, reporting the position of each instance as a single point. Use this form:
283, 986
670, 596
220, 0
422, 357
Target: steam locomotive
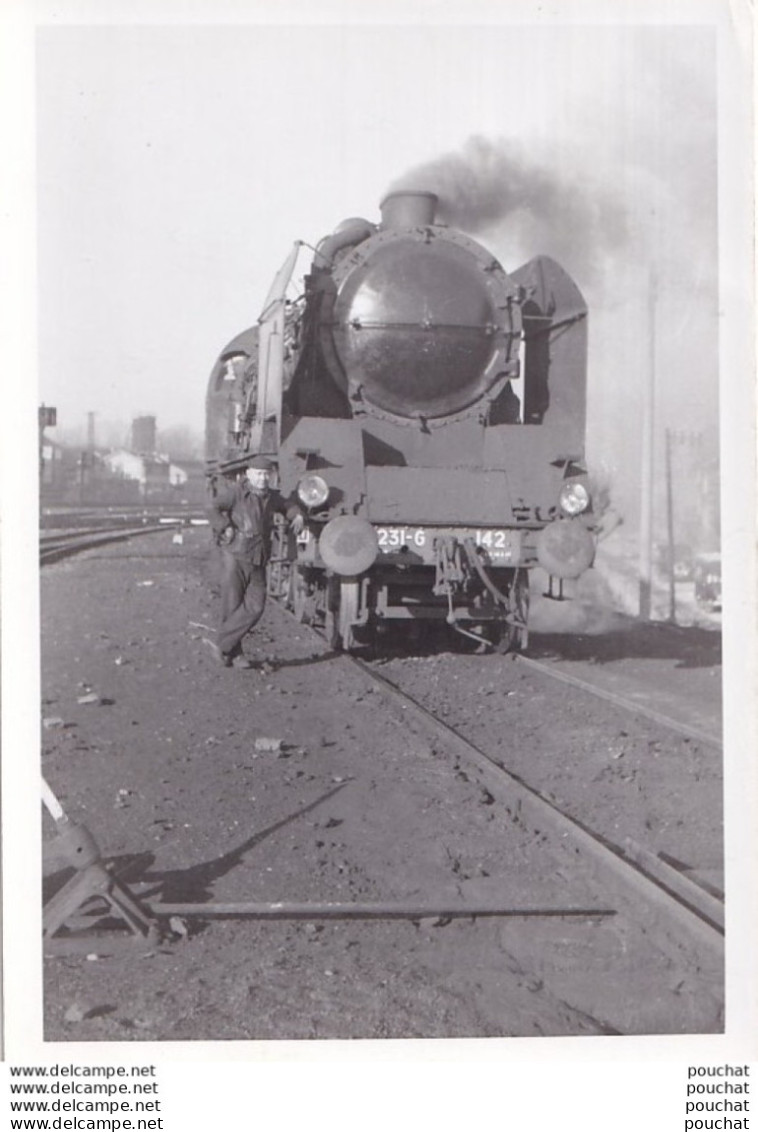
428, 410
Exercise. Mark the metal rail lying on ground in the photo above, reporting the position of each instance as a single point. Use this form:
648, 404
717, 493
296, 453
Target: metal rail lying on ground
150, 923
374, 910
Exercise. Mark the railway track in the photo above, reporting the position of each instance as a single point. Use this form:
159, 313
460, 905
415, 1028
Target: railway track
632, 872
553, 882
652, 901
680, 906
98, 518
628, 867
643, 887
686, 917
623, 702
55, 547
63, 542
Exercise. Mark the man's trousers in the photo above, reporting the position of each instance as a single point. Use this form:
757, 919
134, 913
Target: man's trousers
243, 599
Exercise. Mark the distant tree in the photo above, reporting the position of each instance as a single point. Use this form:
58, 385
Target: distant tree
180, 442
112, 434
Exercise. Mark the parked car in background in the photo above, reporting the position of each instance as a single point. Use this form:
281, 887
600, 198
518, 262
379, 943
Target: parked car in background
682, 560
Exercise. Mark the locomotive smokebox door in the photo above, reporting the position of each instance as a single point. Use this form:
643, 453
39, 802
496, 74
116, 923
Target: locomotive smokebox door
422, 319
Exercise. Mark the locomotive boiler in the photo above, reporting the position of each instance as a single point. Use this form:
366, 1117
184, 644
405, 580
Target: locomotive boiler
428, 410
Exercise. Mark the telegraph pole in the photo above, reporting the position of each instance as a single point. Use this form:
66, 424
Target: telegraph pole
648, 417
693, 440
670, 530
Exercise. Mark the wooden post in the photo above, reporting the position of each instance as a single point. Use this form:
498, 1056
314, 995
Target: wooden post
670, 529
646, 511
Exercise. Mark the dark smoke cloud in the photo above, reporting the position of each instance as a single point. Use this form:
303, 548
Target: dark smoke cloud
493, 186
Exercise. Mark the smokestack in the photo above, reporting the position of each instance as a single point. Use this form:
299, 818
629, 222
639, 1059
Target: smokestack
143, 436
91, 431
408, 209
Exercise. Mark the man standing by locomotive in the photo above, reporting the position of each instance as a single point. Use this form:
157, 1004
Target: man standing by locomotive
242, 517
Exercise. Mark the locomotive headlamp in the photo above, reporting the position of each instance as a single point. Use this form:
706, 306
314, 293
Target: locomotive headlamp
313, 491
574, 498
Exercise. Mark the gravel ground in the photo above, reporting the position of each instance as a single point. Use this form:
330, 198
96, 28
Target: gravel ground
619, 773
153, 747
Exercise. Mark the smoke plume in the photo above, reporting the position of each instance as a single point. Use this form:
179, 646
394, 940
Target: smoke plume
491, 185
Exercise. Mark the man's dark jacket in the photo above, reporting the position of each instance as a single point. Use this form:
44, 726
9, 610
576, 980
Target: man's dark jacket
242, 520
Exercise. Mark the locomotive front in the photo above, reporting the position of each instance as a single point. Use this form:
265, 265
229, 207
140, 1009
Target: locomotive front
429, 411
421, 322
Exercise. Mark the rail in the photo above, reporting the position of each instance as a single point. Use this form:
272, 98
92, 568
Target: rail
691, 906
65, 541
57, 548
622, 701
641, 885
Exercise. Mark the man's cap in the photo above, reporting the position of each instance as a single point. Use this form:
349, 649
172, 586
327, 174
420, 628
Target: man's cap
247, 460
261, 462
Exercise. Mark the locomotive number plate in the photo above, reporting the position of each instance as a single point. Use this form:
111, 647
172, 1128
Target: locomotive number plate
501, 546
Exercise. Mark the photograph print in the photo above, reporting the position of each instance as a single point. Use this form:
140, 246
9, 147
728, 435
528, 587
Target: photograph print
380, 529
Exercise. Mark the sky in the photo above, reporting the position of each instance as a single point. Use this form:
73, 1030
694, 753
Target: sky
176, 165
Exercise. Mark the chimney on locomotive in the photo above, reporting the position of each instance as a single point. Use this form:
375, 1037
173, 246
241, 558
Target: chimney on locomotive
408, 208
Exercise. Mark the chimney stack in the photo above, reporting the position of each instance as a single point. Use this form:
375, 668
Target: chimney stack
408, 209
